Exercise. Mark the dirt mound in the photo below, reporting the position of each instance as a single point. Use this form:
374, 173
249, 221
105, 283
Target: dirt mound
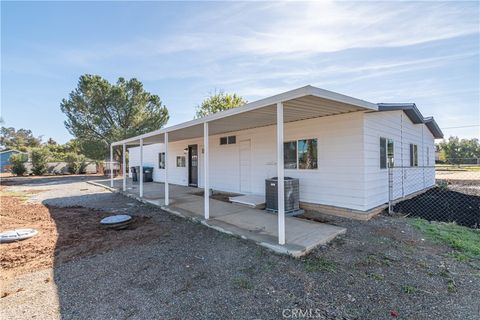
64, 234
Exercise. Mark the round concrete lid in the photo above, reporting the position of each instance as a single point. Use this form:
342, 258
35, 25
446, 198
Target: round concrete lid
17, 234
119, 218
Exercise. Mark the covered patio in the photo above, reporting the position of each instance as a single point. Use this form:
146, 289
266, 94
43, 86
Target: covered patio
248, 223
300, 104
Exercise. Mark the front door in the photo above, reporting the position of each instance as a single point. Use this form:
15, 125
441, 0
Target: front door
245, 166
193, 165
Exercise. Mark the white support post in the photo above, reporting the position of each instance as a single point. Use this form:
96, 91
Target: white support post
206, 188
141, 169
280, 175
167, 198
124, 165
111, 166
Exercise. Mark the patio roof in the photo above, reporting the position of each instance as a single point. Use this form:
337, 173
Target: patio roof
299, 104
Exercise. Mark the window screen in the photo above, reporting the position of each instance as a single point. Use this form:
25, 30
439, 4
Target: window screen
307, 154
232, 139
180, 161
290, 155
223, 140
413, 155
161, 160
383, 153
387, 151
390, 153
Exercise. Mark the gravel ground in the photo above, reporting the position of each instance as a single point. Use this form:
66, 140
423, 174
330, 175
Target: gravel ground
380, 269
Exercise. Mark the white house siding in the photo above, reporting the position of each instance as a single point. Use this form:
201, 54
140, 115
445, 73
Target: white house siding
150, 158
338, 181
397, 126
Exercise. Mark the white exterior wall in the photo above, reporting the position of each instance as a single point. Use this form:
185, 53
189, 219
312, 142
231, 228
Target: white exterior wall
348, 173
397, 126
338, 181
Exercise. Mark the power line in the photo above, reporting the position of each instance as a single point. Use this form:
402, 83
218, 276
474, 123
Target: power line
469, 126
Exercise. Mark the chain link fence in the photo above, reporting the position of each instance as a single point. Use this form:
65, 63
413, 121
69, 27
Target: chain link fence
448, 193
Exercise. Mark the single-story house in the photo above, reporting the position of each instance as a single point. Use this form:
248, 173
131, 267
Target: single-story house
5, 155
339, 147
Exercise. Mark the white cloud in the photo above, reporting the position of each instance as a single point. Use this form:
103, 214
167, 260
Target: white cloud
313, 27
293, 30
333, 26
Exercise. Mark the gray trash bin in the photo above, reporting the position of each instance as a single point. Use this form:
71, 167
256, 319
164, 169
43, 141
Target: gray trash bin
134, 173
147, 174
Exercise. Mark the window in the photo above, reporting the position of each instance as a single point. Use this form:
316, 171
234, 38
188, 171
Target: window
228, 140
413, 155
161, 160
180, 161
307, 154
232, 139
301, 154
383, 153
386, 153
428, 156
290, 155
390, 153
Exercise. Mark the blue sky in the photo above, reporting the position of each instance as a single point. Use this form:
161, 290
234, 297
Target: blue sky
422, 52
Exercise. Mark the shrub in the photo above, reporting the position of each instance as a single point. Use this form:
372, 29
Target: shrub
83, 164
72, 162
76, 163
39, 161
18, 164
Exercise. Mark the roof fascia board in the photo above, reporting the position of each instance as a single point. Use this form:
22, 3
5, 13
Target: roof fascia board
11, 150
414, 115
330, 95
433, 127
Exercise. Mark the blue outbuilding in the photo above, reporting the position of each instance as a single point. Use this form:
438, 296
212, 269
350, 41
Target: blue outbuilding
5, 155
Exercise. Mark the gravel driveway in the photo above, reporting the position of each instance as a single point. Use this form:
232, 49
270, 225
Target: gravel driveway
380, 269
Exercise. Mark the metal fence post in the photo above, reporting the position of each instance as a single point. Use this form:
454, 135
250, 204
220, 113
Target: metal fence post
390, 188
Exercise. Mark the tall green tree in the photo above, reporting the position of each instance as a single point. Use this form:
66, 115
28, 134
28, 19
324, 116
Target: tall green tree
99, 113
459, 151
219, 102
20, 139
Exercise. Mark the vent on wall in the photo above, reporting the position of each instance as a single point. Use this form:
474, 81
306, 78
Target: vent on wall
228, 140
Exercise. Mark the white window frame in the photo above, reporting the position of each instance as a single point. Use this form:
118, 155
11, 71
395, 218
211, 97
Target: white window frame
387, 158
413, 152
184, 161
227, 138
164, 160
296, 153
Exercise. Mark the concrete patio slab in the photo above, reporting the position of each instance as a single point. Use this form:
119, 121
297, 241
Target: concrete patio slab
248, 223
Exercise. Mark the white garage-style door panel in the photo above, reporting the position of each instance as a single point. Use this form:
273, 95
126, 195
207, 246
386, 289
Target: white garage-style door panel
245, 166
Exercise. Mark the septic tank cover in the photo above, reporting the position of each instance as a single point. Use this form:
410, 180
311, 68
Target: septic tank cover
17, 234
120, 218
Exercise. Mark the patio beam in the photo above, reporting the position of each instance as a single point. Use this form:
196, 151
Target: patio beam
206, 189
111, 165
141, 169
280, 176
124, 169
167, 199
